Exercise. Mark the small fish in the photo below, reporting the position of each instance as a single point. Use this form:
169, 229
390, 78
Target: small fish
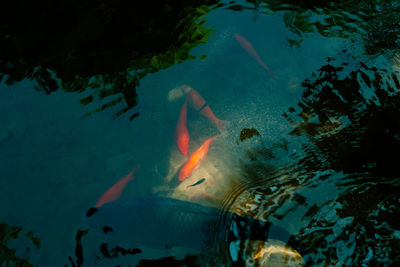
198, 182
195, 159
200, 105
115, 191
250, 49
182, 133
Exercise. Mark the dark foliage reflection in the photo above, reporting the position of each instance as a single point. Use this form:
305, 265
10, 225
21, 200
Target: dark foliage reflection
10, 256
376, 23
348, 124
105, 47
350, 120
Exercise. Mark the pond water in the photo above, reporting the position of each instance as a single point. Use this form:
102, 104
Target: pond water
301, 170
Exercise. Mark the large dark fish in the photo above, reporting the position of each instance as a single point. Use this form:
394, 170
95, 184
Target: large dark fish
159, 222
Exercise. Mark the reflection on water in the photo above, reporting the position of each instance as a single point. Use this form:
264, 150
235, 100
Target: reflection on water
14, 254
277, 152
349, 117
76, 49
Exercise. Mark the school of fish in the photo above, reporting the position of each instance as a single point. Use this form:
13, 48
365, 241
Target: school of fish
182, 137
185, 234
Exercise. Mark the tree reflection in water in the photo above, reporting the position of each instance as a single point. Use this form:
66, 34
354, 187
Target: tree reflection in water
376, 23
352, 127
10, 256
348, 121
100, 48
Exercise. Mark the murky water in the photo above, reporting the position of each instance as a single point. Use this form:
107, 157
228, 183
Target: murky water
302, 102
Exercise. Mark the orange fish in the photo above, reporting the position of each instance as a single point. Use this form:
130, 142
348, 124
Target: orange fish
182, 134
116, 190
200, 105
249, 48
195, 159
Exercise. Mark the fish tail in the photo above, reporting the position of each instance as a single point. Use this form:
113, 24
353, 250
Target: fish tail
135, 168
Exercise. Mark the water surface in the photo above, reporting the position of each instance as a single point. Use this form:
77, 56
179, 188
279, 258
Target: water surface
310, 150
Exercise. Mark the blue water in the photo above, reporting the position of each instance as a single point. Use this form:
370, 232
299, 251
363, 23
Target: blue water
56, 164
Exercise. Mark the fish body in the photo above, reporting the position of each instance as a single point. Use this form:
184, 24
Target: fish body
114, 192
182, 133
159, 221
198, 182
198, 102
156, 221
195, 159
250, 49
207, 112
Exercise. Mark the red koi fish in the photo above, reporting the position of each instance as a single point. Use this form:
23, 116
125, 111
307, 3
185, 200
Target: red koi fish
182, 134
199, 104
116, 190
195, 159
250, 49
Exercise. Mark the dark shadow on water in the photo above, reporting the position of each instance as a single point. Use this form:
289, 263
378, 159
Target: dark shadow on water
78, 248
352, 127
10, 256
349, 130
102, 48
189, 260
376, 23
347, 122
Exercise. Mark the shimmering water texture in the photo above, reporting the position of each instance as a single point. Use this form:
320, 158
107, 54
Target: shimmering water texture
200, 133
165, 223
